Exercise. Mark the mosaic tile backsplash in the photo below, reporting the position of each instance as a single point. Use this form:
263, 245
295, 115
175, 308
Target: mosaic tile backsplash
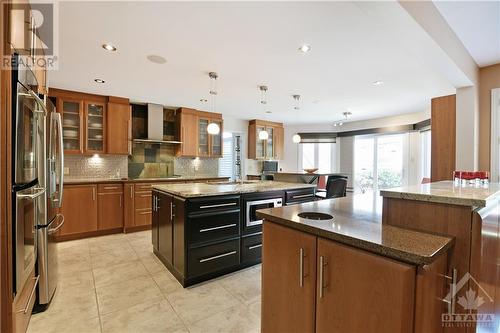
97, 166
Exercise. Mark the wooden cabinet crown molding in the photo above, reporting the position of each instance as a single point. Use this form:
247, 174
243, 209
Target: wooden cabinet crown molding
259, 122
57, 92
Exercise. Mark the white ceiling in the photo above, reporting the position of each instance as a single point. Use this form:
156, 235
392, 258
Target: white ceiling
247, 44
477, 25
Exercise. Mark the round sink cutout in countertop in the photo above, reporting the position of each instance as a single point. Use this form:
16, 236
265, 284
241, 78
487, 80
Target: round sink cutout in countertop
315, 216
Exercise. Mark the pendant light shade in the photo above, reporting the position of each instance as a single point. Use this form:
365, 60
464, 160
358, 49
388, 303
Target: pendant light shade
296, 138
213, 129
263, 135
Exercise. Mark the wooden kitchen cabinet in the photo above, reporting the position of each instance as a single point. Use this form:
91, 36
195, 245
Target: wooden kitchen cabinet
128, 210
110, 206
192, 132
325, 286
270, 149
84, 121
358, 291
288, 302
187, 132
79, 210
119, 131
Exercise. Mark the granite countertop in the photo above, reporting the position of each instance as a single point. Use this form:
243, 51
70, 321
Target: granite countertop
73, 181
213, 189
357, 222
446, 192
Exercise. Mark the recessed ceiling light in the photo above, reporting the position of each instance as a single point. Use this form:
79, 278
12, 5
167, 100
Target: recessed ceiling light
305, 48
156, 59
99, 80
269, 111
378, 83
109, 47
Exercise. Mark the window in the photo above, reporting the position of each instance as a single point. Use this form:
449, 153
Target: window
230, 163
318, 155
425, 153
379, 162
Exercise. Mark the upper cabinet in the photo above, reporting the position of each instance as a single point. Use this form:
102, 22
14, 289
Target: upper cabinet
192, 131
94, 124
270, 148
119, 130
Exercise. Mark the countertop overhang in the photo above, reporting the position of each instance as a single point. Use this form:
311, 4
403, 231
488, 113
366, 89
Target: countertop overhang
446, 192
357, 222
213, 189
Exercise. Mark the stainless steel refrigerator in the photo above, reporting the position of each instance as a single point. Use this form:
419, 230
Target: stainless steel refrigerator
51, 171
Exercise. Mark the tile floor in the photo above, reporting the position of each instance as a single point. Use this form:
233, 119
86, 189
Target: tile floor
116, 284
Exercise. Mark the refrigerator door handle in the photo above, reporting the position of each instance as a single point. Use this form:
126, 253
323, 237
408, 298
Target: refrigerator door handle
39, 102
54, 230
60, 149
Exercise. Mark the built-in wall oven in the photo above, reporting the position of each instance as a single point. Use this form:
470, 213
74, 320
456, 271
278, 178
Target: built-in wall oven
27, 110
254, 202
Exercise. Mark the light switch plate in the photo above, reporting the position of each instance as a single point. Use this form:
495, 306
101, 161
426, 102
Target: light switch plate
66, 171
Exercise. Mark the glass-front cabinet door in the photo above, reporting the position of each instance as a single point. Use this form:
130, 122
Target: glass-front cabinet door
71, 111
95, 120
203, 149
260, 146
216, 142
270, 143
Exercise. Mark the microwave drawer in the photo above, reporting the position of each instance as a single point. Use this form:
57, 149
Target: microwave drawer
213, 258
200, 205
251, 249
213, 226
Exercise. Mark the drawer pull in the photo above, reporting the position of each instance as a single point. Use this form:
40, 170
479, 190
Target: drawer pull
145, 195
110, 187
219, 227
218, 205
302, 196
144, 213
218, 256
254, 246
25, 310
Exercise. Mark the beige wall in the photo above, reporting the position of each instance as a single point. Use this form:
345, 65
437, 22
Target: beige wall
489, 78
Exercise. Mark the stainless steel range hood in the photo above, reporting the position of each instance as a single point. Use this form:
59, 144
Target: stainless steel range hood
155, 126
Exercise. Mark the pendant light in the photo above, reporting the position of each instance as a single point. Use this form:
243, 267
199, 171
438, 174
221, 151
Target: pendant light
296, 98
213, 128
263, 135
296, 138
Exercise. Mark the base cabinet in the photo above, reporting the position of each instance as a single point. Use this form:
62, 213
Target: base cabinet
324, 286
110, 207
79, 210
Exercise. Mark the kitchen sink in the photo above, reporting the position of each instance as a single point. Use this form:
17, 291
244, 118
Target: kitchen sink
315, 216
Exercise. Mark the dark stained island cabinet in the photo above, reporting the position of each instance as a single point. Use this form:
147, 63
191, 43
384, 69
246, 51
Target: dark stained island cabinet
200, 230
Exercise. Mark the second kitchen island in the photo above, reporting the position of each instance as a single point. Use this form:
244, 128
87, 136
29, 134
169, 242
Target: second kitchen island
201, 231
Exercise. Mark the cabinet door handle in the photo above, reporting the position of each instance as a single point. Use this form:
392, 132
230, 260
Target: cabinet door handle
301, 267
218, 205
154, 203
157, 203
131, 192
322, 286
171, 211
219, 227
120, 200
254, 246
93, 193
219, 256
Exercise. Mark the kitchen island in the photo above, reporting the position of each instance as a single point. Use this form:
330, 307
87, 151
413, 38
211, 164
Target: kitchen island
421, 258
469, 213
348, 272
204, 230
